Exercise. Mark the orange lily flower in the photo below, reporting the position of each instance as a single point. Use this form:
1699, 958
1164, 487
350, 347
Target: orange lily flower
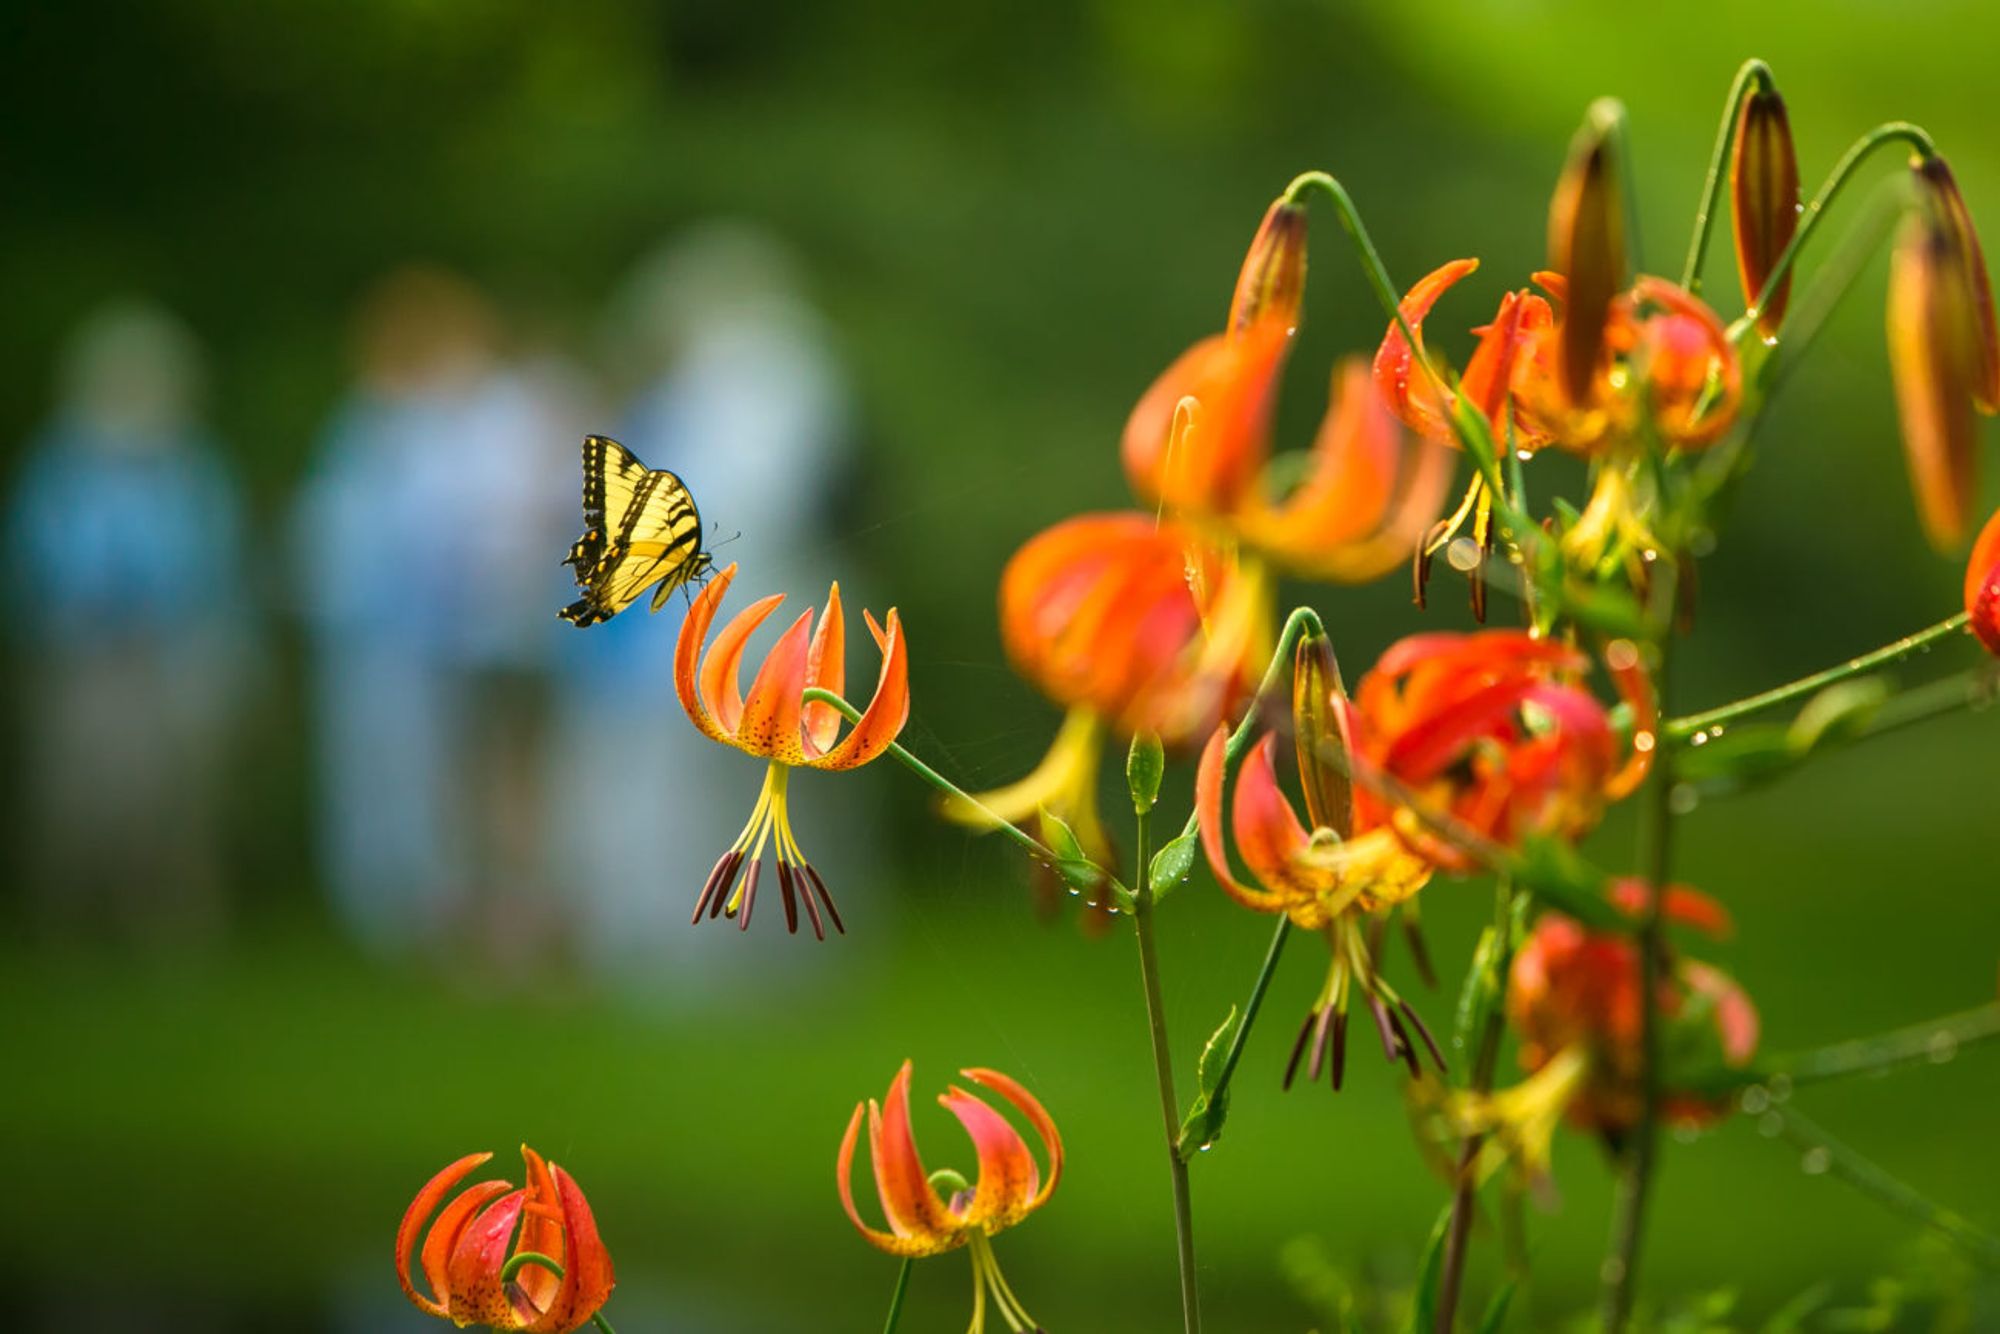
1494, 730
776, 722
467, 1251
1660, 347
1982, 585
1132, 625
1332, 878
1198, 443
1573, 988
1008, 1188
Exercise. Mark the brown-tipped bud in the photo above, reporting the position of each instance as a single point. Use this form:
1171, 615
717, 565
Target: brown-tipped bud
1934, 351
1273, 281
1319, 731
1587, 244
1764, 200
1940, 191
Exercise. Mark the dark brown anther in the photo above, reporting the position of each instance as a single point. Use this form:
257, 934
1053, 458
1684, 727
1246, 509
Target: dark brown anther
1420, 953
1405, 1046
1420, 569
716, 888
749, 894
825, 898
812, 908
1319, 1035
1339, 1049
1299, 1049
1423, 1031
786, 896
1385, 1025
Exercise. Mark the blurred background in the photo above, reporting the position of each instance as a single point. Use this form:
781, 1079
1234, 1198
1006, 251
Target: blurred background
332, 855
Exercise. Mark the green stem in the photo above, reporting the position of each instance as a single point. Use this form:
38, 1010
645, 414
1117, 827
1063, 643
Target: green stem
1034, 846
521, 1259
1459, 1233
1826, 1153
1752, 71
896, 1297
1890, 132
1470, 428
1926, 1043
1679, 729
1163, 1068
1250, 1008
1655, 860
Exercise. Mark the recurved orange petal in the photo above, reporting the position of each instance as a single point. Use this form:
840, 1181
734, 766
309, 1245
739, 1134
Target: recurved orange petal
911, 1206
844, 1175
826, 668
477, 1295
1030, 1107
770, 724
587, 1274
1982, 585
1208, 785
445, 1230
888, 709
1007, 1173
1404, 385
687, 657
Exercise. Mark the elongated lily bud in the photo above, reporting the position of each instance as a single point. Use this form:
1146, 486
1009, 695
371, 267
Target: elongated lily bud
1587, 244
1273, 282
1934, 352
1940, 190
1320, 734
1982, 585
1764, 199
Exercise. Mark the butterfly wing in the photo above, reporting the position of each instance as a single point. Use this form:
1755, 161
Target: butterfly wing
641, 529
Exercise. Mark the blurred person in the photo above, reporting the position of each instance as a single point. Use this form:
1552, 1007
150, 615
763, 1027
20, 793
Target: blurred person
124, 535
424, 534
738, 392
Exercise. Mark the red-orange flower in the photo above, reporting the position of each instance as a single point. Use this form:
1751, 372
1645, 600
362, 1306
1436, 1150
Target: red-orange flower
1008, 1188
466, 1253
1330, 878
1496, 731
1198, 442
1982, 585
1661, 351
1132, 625
1578, 990
777, 722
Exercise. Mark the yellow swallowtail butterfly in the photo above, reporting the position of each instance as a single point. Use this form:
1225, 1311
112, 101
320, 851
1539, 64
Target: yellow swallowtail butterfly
641, 528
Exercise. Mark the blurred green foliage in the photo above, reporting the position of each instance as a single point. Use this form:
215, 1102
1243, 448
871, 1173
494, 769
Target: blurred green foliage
1013, 216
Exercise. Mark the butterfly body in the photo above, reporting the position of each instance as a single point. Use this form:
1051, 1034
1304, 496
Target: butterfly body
641, 530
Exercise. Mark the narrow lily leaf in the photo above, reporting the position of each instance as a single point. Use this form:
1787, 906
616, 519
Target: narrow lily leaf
1081, 874
1172, 863
1423, 1302
1202, 1125
1495, 1318
1838, 713
1476, 998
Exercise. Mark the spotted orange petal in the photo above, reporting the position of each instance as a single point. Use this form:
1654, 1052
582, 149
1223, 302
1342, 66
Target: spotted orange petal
443, 1233
888, 709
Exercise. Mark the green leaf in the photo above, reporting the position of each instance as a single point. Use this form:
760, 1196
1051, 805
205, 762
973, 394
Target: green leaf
1423, 1302
1202, 1125
1145, 766
1476, 998
1075, 868
1172, 863
1496, 1310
